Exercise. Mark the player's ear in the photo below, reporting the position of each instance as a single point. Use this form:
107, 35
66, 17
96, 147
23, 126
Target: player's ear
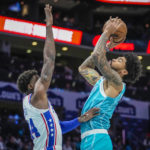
124, 72
30, 86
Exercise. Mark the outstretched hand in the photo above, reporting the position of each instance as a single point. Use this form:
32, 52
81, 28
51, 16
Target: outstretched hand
111, 28
89, 115
48, 14
113, 25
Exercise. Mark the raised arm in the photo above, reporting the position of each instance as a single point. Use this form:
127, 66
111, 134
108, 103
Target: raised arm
87, 70
99, 55
49, 53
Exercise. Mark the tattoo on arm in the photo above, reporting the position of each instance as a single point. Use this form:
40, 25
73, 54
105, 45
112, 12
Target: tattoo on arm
86, 69
91, 75
110, 74
100, 60
101, 44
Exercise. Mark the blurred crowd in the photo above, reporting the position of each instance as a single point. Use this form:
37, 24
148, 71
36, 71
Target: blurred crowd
65, 77
84, 19
124, 132
136, 29
14, 134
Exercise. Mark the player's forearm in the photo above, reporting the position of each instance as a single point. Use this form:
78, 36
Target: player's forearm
49, 47
68, 126
99, 54
49, 55
99, 48
104, 67
101, 44
100, 60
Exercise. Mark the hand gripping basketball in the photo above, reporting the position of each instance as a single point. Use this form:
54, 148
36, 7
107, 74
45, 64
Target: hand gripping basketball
117, 29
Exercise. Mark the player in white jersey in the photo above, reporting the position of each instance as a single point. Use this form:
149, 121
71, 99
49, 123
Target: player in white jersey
45, 127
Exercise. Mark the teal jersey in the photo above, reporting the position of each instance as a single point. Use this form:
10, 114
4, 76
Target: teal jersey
107, 105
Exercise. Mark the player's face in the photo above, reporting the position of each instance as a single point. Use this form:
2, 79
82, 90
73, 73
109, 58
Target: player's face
118, 63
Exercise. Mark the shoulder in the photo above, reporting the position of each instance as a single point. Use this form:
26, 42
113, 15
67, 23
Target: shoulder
27, 98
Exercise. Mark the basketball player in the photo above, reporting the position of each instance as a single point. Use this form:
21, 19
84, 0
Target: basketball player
46, 130
108, 88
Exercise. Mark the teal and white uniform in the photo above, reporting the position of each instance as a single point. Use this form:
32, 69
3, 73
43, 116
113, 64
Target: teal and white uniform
94, 133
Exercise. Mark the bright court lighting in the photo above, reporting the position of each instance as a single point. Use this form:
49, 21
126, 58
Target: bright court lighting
64, 48
34, 43
29, 51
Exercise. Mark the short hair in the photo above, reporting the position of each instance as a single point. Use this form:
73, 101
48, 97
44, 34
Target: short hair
24, 79
134, 68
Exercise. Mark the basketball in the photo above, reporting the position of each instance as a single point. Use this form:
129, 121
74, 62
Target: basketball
120, 35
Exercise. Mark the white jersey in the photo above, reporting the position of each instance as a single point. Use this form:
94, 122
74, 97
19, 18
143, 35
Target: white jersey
44, 126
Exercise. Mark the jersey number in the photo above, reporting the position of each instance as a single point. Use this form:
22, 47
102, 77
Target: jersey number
33, 129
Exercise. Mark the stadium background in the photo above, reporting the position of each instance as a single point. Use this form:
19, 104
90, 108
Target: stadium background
77, 27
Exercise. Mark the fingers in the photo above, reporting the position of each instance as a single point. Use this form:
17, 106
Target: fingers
89, 114
116, 19
113, 19
110, 18
48, 7
116, 22
96, 114
95, 109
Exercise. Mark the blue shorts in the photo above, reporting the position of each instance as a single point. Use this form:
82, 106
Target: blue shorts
97, 142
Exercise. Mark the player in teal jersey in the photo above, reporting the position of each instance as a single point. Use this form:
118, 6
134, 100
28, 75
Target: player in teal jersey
108, 88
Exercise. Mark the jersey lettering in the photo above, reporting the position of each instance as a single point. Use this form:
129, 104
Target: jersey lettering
33, 129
